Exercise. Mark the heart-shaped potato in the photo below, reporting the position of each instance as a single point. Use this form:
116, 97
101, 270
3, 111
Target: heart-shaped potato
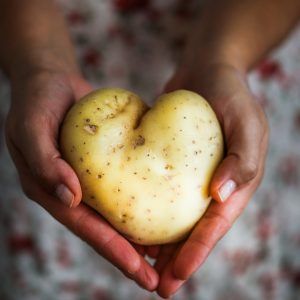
147, 171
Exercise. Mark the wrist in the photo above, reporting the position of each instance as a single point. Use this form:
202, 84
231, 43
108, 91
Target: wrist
214, 54
34, 62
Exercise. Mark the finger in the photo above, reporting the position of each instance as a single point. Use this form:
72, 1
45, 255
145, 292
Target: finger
80, 87
168, 284
139, 248
50, 170
146, 276
217, 220
153, 251
92, 228
245, 141
37, 139
165, 254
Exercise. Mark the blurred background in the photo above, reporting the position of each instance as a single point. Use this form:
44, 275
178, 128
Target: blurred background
135, 45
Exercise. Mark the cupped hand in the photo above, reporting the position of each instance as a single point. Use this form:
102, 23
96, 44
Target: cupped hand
39, 103
245, 131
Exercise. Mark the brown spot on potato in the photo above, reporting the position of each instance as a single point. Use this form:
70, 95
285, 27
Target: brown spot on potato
169, 167
139, 141
91, 129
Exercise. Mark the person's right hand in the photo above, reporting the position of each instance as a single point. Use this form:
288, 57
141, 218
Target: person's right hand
40, 101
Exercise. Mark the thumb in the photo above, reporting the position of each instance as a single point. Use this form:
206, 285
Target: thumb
246, 150
45, 162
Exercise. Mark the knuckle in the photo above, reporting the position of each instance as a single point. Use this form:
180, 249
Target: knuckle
200, 242
81, 224
223, 222
34, 121
40, 172
217, 223
249, 170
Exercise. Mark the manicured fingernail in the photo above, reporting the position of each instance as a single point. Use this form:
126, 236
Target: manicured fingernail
227, 189
64, 195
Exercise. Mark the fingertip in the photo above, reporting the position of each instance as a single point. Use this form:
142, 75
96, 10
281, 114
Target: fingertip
68, 179
222, 190
169, 283
134, 265
214, 193
146, 276
179, 270
224, 183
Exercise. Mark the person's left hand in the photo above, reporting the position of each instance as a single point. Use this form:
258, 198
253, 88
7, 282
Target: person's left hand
245, 131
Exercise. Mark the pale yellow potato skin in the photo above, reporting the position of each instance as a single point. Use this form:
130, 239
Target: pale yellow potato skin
146, 171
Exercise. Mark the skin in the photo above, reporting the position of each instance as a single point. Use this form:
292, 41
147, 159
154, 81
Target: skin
218, 71
46, 80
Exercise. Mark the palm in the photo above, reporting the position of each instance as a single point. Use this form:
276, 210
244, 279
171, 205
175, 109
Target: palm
246, 135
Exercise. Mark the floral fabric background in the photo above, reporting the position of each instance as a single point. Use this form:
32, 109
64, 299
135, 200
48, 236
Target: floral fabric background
134, 44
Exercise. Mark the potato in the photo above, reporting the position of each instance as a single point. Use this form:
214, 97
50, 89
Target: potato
147, 171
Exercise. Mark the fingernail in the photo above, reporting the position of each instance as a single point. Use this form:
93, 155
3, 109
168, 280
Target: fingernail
227, 189
64, 195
